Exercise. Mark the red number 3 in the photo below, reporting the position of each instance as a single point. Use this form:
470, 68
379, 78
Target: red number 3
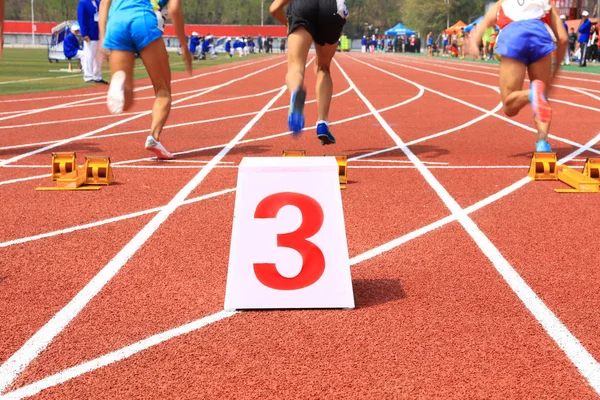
313, 261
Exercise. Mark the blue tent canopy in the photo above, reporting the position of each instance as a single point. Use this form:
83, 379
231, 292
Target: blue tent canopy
469, 27
399, 30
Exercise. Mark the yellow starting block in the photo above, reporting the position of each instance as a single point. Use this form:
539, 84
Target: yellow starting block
294, 153
63, 164
579, 182
592, 168
543, 167
96, 172
343, 169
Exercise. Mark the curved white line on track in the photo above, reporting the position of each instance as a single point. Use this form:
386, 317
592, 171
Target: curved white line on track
20, 146
103, 96
85, 135
582, 91
563, 74
561, 139
65, 121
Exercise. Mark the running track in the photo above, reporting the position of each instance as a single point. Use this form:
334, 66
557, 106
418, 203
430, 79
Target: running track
470, 280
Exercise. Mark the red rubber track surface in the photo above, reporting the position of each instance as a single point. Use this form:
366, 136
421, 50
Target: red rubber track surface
433, 318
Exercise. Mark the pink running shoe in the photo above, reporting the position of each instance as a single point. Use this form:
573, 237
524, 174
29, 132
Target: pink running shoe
539, 103
158, 149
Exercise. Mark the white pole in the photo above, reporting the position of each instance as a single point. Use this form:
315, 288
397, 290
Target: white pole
32, 24
262, 12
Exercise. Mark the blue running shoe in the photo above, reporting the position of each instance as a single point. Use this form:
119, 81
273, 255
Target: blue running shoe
296, 113
324, 134
543, 147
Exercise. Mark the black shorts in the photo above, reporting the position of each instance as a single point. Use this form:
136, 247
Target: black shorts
318, 17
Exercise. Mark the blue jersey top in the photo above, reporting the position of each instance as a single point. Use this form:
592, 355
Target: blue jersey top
584, 29
87, 10
129, 5
70, 46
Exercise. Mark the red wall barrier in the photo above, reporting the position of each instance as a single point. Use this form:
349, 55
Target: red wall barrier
215, 30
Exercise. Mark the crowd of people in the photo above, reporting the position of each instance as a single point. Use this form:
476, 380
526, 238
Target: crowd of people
201, 46
391, 44
583, 43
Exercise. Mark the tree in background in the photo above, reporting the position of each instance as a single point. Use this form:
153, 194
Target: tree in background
367, 17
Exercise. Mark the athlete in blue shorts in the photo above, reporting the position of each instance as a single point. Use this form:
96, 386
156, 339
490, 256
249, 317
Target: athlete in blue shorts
530, 30
130, 27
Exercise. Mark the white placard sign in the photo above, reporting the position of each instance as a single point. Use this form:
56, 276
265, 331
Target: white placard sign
288, 246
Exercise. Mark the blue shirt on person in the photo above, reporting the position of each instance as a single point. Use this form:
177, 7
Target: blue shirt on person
71, 45
584, 29
87, 14
194, 43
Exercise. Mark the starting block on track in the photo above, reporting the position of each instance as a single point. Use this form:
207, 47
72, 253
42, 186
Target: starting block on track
63, 164
342, 169
543, 167
579, 182
592, 168
96, 172
288, 246
294, 153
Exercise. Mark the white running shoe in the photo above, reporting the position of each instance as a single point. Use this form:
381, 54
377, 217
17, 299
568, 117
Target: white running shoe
116, 93
158, 149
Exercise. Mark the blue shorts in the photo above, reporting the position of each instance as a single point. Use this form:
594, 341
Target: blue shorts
132, 31
527, 41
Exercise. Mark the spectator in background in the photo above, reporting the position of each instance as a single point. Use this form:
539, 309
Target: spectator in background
373, 43
259, 41
460, 41
282, 46
1, 27
430, 44
228, 47
487, 40
593, 43
269, 45
572, 41
194, 43
584, 37
87, 17
363, 44
445, 43
567, 60
71, 46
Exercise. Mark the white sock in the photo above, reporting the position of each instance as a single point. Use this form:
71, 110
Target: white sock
323, 122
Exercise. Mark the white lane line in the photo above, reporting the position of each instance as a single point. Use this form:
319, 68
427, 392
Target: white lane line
65, 141
573, 89
376, 160
419, 94
110, 358
566, 341
28, 178
570, 142
19, 146
563, 74
103, 96
108, 220
154, 340
13, 366
178, 94
33, 99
